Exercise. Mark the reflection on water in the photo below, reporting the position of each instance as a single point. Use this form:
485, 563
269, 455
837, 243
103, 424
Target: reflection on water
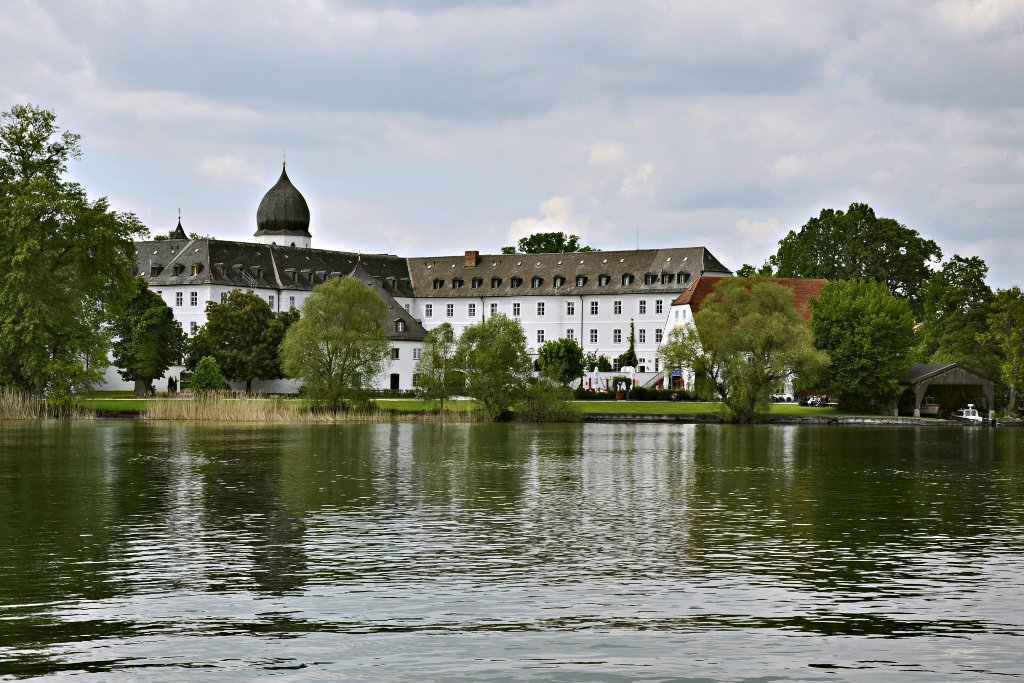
600, 552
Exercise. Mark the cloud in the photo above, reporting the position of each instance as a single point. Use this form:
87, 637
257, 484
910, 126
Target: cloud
232, 168
606, 154
640, 183
556, 216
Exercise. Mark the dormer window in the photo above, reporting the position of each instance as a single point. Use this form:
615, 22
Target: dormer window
177, 269
681, 277
438, 283
399, 326
257, 271
155, 269
559, 282
666, 278
627, 279
603, 280
536, 281
515, 282
581, 280
495, 282
197, 268
477, 283
650, 279
457, 283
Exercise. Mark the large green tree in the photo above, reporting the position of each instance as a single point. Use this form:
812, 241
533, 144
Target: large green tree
65, 261
1005, 334
437, 373
548, 243
561, 360
339, 345
868, 335
496, 363
857, 244
956, 306
147, 338
746, 340
244, 335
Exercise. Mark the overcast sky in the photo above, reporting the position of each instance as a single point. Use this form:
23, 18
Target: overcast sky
421, 128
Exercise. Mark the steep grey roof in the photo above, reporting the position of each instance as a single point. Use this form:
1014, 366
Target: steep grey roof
283, 210
261, 266
413, 329
628, 272
179, 232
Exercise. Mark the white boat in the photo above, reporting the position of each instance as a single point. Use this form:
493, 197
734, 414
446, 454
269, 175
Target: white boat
968, 415
929, 408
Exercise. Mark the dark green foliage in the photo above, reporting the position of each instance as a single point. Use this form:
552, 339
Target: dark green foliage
244, 335
856, 244
148, 339
595, 360
1005, 335
546, 400
65, 261
628, 359
437, 375
497, 366
207, 377
868, 335
548, 243
561, 360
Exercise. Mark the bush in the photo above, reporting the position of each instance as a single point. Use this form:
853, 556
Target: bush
207, 377
546, 401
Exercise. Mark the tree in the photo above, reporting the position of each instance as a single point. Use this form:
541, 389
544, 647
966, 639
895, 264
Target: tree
956, 306
244, 335
436, 371
561, 360
339, 345
207, 378
746, 270
148, 339
856, 244
868, 335
746, 340
628, 359
1006, 333
548, 243
496, 364
593, 359
65, 261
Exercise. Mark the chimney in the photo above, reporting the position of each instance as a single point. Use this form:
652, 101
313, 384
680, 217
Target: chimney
472, 258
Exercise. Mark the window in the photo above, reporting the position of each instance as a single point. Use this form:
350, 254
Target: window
616, 365
291, 303
407, 308
179, 298
593, 308
676, 312
193, 327
495, 282
394, 353
540, 308
178, 268
449, 310
657, 336
617, 307
193, 298
593, 336
399, 326
494, 309
515, 282
627, 279
198, 268
659, 306
270, 300
616, 336
515, 310
457, 283
477, 283
643, 306
581, 280
428, 310
666, 278
223, 297
416, 353
570, 333
559, 281
540, 336
536, 281
471, 310
570, 308
438, 283
155, 270
650, 278
641, 335
680, 277
603, 280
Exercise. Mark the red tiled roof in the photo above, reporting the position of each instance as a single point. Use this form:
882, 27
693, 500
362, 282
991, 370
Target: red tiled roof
804, 289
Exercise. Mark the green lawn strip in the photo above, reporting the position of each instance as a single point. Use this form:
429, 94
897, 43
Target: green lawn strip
413, 405
119, 405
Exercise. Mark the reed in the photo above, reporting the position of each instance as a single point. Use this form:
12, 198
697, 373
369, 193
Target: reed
21, 405
241, 408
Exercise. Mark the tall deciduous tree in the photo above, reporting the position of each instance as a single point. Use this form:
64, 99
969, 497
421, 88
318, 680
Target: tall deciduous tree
437, 373
868, 335
857, 244
148, 339
548, 243
561, 360
497, 366
746, 340
1005, 333
65, 261
244, 335
339, 345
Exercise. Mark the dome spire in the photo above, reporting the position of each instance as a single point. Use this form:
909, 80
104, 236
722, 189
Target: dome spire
179, 232
283, 215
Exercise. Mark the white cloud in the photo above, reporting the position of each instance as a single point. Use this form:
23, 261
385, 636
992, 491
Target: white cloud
230, 168
606, 154
640, 183
556, 216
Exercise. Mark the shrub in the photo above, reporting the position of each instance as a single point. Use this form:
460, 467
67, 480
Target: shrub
207, 377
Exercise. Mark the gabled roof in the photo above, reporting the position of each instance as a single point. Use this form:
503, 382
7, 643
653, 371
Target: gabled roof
938, 373
804, 289
414, 330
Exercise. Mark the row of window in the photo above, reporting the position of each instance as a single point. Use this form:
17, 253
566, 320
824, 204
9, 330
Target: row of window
558, 281
570, 308
641, 336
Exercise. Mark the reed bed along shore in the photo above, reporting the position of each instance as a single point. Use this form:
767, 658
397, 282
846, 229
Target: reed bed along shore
241, 408
19, 405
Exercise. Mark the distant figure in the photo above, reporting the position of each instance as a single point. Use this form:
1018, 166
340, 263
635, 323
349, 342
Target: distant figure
675, 396
172, 385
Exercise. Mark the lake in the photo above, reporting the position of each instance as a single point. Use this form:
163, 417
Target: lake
164, 552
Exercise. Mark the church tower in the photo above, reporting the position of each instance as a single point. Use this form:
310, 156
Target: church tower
283, 215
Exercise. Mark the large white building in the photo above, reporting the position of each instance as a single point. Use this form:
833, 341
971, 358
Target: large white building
592, 297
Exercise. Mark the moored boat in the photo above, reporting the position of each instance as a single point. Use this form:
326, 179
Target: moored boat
968, 415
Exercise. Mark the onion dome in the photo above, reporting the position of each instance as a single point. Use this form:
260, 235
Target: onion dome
283, 210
